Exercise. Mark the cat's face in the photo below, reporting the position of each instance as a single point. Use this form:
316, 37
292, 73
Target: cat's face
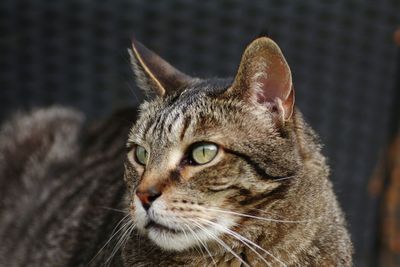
205, 159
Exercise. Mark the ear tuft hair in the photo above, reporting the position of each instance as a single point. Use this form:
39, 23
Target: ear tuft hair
154, 74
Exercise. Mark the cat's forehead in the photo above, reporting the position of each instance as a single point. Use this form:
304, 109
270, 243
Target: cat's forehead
169, 119
173, 117
196, 95
197, 113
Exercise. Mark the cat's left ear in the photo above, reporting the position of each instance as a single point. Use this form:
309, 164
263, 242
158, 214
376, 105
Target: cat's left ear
264, 77
154, 74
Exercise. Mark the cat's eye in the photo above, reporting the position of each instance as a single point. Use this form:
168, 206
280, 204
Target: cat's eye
141, 155
203, 153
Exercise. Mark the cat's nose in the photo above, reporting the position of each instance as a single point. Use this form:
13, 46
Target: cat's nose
147, 196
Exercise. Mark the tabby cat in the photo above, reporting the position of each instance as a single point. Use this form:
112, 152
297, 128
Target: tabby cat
218, 172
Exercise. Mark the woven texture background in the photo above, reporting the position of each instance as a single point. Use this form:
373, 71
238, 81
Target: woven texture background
341, 53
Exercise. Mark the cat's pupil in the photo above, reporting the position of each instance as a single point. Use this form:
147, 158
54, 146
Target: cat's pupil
204, 153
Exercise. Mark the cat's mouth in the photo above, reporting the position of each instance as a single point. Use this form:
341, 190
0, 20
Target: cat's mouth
178, 234
159, 227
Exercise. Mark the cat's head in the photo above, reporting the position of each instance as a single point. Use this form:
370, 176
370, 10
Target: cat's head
206, 157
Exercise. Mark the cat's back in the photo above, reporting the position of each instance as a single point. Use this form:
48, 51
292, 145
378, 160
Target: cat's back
58, 179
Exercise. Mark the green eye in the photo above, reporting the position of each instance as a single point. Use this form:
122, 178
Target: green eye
141, 155
204, 153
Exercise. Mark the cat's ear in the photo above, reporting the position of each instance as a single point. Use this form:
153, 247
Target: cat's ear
154, 74
264, 77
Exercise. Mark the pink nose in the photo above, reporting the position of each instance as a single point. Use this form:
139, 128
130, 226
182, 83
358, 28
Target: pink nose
147, 196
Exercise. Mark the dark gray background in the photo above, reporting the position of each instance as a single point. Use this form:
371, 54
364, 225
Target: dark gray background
341, 53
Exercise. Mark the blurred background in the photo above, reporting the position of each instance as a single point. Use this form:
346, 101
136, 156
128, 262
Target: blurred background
342, 53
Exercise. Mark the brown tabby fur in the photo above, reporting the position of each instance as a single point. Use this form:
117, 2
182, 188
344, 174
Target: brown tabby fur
271, 167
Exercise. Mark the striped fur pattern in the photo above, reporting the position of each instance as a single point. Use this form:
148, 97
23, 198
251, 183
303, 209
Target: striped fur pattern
265, 200
60, 182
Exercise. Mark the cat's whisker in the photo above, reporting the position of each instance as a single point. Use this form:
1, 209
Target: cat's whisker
219, 241
125, 218
113, 234
128, 235
200, 241
289, 221
132, 90
203, 245
187, 237
285, 178
226, 230
239, 238
115, 248
199, 250
122, 235
121, 240
257, 217
246, 240
113, 209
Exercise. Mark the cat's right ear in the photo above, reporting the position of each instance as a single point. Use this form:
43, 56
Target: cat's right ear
264, 77
154, 75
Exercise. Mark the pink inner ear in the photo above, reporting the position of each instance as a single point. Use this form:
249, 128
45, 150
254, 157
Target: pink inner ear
264, 77
264, 93
276, 83
274, 89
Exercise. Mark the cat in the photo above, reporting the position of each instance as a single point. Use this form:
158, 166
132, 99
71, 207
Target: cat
217, 172
229, 166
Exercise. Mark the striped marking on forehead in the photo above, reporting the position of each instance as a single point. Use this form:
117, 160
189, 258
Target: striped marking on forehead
171, 123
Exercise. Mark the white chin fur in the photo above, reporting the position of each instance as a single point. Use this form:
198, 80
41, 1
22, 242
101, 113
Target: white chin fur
172, 241
189, 239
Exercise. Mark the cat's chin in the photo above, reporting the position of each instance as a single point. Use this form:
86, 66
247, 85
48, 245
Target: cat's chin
176, 240
171, 241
